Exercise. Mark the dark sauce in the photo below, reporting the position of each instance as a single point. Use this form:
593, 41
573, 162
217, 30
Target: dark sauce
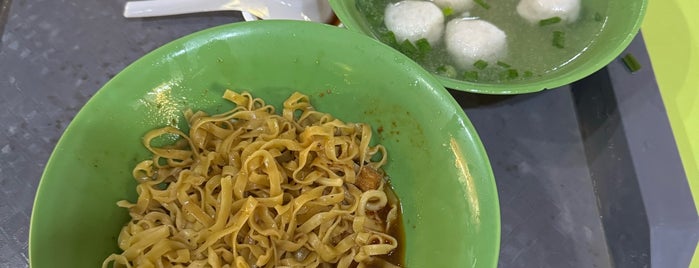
396, 230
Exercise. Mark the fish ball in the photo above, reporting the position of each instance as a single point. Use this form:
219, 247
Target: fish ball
469, 40
537, 10
414, 20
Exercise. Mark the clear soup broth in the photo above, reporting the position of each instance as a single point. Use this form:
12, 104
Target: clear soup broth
533, 49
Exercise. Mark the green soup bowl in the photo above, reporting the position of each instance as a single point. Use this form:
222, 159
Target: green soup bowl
618, 23
437, 164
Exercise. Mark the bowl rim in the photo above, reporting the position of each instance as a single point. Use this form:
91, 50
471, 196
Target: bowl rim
353, 24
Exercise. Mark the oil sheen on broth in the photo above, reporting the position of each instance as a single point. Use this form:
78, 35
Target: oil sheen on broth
531, 48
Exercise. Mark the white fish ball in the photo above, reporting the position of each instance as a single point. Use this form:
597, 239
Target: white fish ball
457, 6
469, 40
536, 10
414, 20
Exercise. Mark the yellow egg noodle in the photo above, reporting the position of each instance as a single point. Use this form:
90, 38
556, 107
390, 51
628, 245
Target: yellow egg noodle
250, 188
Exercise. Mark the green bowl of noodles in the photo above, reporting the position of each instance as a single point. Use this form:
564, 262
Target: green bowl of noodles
435, 162
542, 44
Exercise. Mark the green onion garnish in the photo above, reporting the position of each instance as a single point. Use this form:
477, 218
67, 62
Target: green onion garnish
390, 39
512, 74
408, 49
559, 39
423, 45
482, 3
447, 11
549, 21
631, 63
447, 70
598, 17
503, 65
480, 64
471, 75
162, 185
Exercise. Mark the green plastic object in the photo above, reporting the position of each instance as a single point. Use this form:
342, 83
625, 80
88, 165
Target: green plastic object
438, 166
623, 19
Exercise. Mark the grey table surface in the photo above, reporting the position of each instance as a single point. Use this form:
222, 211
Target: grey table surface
54, 55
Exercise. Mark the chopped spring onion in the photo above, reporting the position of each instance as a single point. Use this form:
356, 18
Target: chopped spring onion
480, 64
447, 70
631, 62
482, 3
549, 21
471, 75
423, 45
503, 64
390, 39
559, 39
447, 11
511, 74
408, 49
598, 17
